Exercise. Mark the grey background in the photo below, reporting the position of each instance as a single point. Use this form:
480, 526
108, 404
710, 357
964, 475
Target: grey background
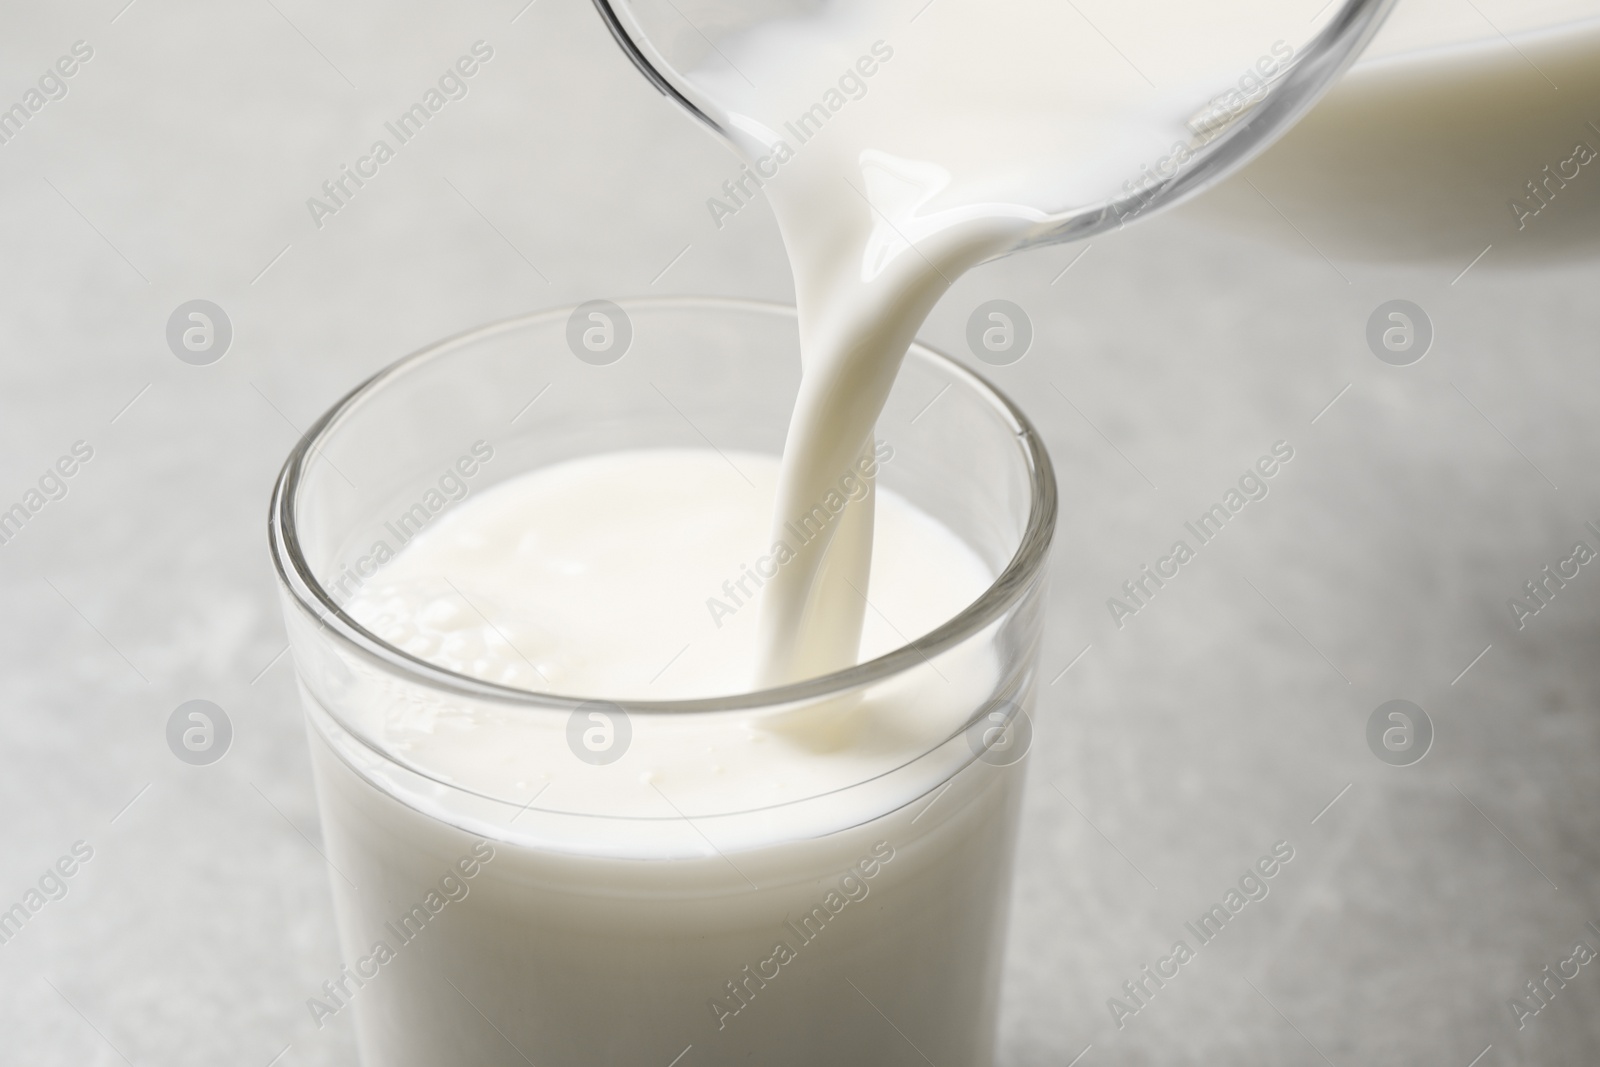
1174, 751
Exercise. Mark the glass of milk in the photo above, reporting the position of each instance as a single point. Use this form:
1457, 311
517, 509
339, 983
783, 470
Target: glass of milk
812, 874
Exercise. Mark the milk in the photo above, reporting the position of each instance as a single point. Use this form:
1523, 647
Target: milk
572, 957
757, 886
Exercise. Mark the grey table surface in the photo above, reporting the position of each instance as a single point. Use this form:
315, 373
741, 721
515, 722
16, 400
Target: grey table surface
1228, 714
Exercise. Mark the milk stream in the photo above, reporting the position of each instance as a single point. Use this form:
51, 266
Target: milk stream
899, 153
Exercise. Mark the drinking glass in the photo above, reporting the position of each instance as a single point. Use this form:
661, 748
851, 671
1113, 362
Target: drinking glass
568, 911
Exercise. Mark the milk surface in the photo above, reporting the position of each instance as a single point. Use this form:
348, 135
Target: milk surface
635, 576
618, 577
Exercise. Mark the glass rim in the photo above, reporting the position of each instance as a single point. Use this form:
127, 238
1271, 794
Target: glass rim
309, 595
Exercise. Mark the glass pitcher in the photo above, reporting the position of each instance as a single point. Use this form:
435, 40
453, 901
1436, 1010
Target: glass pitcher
1112, 108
